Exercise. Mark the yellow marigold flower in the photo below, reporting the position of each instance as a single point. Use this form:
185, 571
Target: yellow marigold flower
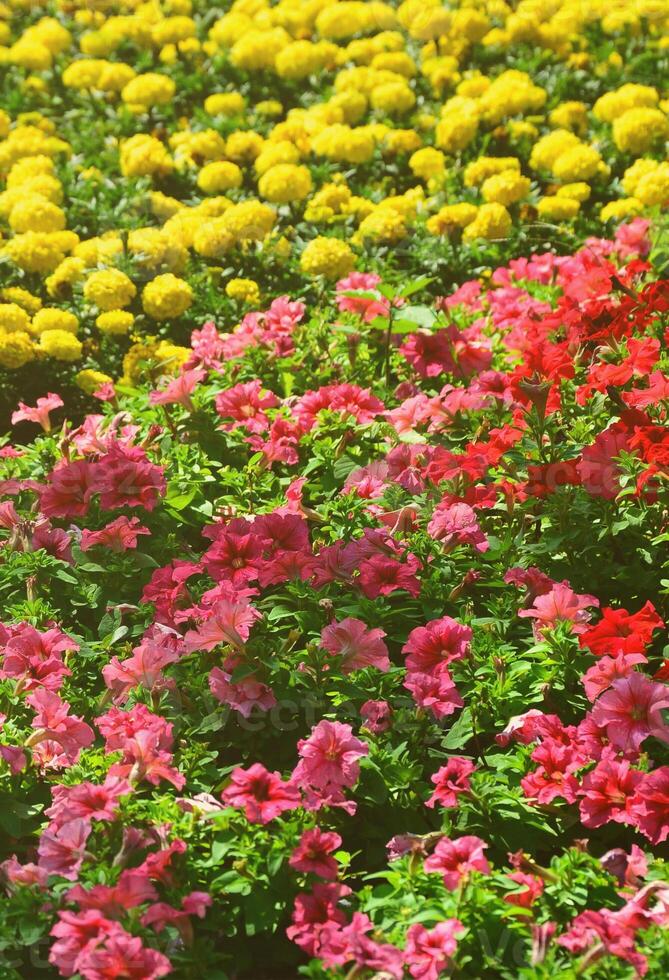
653, 188
570, 115
225, 104
473, 87
249, 221
398, 62
144, 156
243, 290
577, 192
492, 221
69, 271
299, 60
115, 323
213, 239
65, 240
171, 30
269, 108
32, 166
15, 294
16, 350
393, 98
578, 163
456, 131
163, 206
547, 150
61, 345
630, 96
148, 90
479, 170
329, 257
5, 123
90, 381
384, 224
36, 213
243, 147
166, 297
221, 175
51, 318
281, 151
35, 251
100, 250
257, 50
13, 317
353, 105
640, 129
633, 174
451, 217
427, 163
627, 207
345, 143
42, 185
285, 183
170, 357
506, 188
472, 24
135, 362
109, 289
30, 55
401, 141
556, 208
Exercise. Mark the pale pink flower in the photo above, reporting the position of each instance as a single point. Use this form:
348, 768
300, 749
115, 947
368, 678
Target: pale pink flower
40, 412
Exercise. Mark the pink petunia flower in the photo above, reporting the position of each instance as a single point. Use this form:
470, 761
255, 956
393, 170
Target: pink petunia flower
329, 756
313, 853
432, 647
631, 710
451, 781
560, 605
356, 645
607, 793
428, 953
263, 795
456, 859
119, 535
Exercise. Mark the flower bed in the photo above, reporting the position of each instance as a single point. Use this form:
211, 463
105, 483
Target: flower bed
334, 343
